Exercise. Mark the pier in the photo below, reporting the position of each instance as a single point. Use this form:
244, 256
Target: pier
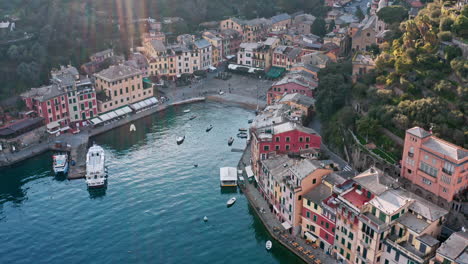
77, 144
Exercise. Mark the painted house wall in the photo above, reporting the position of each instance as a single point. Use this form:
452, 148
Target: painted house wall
276, 92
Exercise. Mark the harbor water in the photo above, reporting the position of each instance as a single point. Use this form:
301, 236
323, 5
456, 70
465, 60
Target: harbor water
153, 207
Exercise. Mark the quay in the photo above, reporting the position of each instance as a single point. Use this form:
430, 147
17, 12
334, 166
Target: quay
309, 253
79, 143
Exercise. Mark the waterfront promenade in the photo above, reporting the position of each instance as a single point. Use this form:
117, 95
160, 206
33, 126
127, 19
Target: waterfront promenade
307, 252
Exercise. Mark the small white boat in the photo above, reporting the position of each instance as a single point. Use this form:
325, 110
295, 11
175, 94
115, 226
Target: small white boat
187, 111
231, 201
230, 141
132, 128
205, 219
180, 140
268, 245
60, 163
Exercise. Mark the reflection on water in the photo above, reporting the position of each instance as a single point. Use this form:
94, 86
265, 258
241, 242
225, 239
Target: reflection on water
13, 178
153, 207
95, 193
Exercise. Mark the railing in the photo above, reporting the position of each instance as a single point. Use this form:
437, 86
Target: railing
379, 227
447, 171
406, 251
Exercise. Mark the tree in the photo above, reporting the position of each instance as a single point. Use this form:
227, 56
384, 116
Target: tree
392, 14
331, 26
359, 14
445, 36
445, 24
451, 52
13, 52
318, 27
367, 126
460, 26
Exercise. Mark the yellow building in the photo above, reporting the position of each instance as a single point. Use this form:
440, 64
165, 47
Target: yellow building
118, 86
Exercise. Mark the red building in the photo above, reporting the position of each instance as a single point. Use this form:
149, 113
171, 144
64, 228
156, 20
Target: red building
51, 103
289, 85
68, 101
281, 139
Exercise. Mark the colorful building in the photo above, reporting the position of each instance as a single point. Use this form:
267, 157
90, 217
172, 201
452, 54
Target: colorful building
118, 86
434, 165
292, 83
285, 182
287, 137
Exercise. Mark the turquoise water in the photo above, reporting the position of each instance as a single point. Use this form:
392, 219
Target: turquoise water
152, 209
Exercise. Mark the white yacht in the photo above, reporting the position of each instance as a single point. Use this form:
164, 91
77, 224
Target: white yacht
96, 174
60, 163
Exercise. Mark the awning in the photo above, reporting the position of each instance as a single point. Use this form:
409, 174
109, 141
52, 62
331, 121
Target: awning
105, 117
65, 128
249, 172
232, 67
96, 121
230, 57
53, 125
309, 236
212, 68
286, 225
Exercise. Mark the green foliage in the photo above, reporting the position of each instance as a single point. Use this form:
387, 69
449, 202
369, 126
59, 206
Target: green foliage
331, 26
359, 14
460, 26
333, 89
445, 36
451, 52
367, 126
392, 14
319, 27
446, 24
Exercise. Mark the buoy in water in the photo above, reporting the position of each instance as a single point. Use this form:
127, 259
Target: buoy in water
205, 219
132, 128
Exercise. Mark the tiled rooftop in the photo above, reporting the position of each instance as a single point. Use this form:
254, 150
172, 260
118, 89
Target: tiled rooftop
355, 198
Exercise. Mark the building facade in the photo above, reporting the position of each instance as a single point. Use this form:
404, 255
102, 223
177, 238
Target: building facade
434, 165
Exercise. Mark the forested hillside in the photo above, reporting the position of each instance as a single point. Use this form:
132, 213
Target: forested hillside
420, 80
68, 31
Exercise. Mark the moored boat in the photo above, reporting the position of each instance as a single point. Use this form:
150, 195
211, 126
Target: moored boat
193, 117
96, 174
60, 164
180, 140
268, 245
242, 135
187, 111
243, 129
230, 141
231, 201
209, 128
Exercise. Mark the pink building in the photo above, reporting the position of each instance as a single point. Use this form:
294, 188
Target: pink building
289, 85
434, 165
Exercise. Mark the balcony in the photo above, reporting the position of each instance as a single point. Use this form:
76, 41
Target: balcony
447, 171
373, 222
406, 248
